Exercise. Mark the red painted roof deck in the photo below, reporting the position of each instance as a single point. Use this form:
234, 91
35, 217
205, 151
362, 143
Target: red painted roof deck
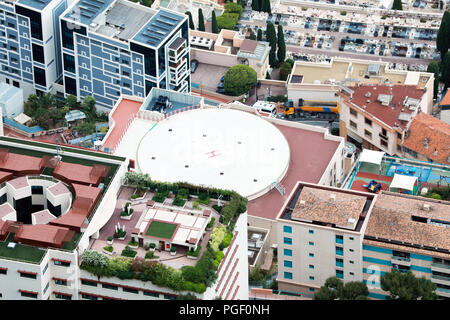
121, 115
19, 183
18, 163
310, 155
71, 172
6, 209
58, 189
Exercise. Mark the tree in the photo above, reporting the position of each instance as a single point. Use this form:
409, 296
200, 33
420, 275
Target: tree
252, 35
334, 289
255, 5
272, 39
259, 35
405, 286
281, 54
71, 101
445, 71
285, 70
397, 5
191, 21
443, 35
433, 67
214, 27
201, 20
239, 79
265, 6
89, 103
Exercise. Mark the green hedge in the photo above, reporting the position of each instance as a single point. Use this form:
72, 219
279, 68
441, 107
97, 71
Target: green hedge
178, 202
128, 252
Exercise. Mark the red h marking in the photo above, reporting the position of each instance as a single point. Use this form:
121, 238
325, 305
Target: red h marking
213, 154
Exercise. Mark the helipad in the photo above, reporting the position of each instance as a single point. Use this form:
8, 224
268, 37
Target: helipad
220, 148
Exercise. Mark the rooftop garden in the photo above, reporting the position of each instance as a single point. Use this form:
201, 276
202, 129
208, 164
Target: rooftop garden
189, 278
20, 252
161, 230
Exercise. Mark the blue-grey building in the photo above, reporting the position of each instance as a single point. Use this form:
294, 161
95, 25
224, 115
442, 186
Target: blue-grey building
115, 47
30, 55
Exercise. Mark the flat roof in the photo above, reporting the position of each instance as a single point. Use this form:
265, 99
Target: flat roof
220, 148
19, 183
329, 206
85, 11
7, 92
35, 4
42, 217
310, 153
58, 189
5, 209
159, 27
404, 220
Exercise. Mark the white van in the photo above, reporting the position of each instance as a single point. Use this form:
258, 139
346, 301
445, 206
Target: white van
265, 107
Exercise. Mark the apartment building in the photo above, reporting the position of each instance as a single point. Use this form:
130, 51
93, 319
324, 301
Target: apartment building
375, 117
119, 47
407, 233
29, 48
323, 80
320, 234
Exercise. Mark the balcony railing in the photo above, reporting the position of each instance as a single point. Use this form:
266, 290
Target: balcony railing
440, 278
440, 265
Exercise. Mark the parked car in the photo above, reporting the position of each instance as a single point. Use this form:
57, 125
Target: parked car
222, 79
221, 90
220, 85
194, 65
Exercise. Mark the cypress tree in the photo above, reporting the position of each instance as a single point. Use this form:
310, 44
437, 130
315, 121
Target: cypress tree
397, 5
433, 67
201, 20
259, 35
281, 54
272, 39
445, 70
255, 5
214, 27
252, 35
443, 35
191, 21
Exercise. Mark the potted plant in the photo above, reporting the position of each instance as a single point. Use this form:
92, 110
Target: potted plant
108, 250
110, 240
127, 214
133, 244
173, 251
120, 232
152, 246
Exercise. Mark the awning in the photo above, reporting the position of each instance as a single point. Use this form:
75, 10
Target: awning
371, 156
74, 115
401, 181
22, 118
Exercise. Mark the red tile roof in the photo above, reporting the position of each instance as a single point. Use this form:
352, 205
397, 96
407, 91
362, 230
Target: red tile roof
43, 235
446, 100
437, 135
386, 114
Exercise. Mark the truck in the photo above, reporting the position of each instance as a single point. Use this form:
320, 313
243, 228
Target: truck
312, 109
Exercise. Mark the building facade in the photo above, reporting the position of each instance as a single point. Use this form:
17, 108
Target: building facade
111, 48
320, 235
30, 49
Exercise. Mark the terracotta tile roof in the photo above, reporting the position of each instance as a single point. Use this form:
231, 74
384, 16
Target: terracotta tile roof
4, 176
446, 100
399, 247
328, 207
18, 163
392, 219
43, 234
430, 137
71, 172
389, 115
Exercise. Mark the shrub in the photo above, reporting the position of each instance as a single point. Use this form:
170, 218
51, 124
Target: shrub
216, 237
217, 208
178, 202
108, 248
196, 205
436, 196
128, 252
279, 98
183, 193
227, 20
132, 243
160, 197
151, 255
227, 239
343, 13
134, 196
203, 198
152, 245
110, 238
195, 253
211, 223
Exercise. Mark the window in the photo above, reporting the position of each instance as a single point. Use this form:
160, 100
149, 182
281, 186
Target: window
61, 282
88, 296
38, 53
288, 264
3, 271
339, 239
287, 240
368, 121
311, 289
352, 262
29, 294
383, 143
353, 112
37, 190
46, 287
311, 278
288, 252
368, 134
130, 290
351, 250
288, 275
311, 266
109, 286
16, 84
353, 124
351, 273
28, 275
151, 294
126, 73
311, 231
311, 255
169, 297
311, 243
339, 262
63, 296
383, 132
61, 263
340, 274
287, 229
89, 283
351, 238
339, 251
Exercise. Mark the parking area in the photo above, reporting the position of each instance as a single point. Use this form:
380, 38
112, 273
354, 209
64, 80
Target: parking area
208, 75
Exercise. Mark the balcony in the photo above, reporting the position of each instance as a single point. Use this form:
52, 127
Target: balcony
443, 292
401, 260
175, 56
440, 280
439, 267
382, 136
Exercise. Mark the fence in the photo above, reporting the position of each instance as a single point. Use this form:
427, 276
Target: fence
86, 138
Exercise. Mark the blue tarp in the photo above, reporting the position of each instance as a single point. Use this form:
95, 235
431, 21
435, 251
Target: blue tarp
22, 127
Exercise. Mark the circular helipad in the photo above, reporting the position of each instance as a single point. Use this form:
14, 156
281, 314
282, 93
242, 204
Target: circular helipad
218, 148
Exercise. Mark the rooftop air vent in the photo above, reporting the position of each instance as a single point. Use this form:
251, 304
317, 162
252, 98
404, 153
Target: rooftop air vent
302, 203
426, 207
351, 221
333, 197
11, 245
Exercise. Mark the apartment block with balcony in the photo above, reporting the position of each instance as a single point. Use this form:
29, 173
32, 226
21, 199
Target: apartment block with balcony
320, 235
407, 233
375, 116
29, 48
110, 48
